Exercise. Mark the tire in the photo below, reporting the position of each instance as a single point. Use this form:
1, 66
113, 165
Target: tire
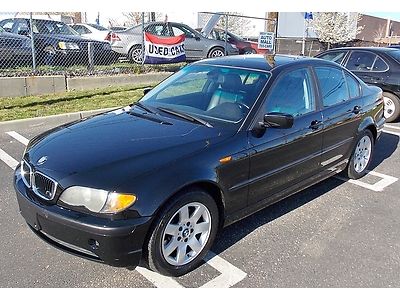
169, 249
216, 52
361, 156
135, 54
249, 51
392, 107
49, 55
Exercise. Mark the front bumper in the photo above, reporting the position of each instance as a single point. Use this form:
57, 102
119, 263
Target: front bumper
114, 242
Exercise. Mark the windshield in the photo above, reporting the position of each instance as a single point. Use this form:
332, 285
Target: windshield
213, 93
52, 27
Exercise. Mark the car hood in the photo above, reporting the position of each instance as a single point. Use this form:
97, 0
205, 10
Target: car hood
118, 139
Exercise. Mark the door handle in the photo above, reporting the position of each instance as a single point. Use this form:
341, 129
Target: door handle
356, 109
315, 124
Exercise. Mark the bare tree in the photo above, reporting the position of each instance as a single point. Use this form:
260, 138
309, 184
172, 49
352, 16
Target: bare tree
132, 18
336, 27
236, 23
380, 33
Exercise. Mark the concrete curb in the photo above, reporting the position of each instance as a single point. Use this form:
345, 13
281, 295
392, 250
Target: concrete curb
56, 119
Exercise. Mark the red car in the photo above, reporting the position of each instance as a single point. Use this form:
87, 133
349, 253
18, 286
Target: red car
244, 47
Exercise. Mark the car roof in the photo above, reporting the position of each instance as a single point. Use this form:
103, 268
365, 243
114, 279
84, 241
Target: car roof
258, 61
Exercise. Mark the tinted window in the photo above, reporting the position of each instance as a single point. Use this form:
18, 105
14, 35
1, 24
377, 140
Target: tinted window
80, 29
51, 27
22, 27
158, 29
353, 85
379, 65
293, 94
210, 92
336, 56
182, 30
360, 61
7, 25
332, 84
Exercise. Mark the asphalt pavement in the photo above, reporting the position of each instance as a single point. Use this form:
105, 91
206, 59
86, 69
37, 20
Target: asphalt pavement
337, 233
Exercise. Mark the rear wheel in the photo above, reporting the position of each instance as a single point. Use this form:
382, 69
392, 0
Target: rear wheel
183, 233
249, 51
362, 156
391, 106
136, 54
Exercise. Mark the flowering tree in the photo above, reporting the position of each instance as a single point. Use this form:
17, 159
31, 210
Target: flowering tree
336, 27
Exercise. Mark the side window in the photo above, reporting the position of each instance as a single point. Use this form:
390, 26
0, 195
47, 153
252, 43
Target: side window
335, 56
158, 29
379, 65
353, 85
7, 25
360, 61
80, 29
182, 30
332, 84
292, 94
22, 27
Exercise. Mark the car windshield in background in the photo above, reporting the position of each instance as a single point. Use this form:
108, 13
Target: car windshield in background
51, 27
98, 27
395, 53
213, 93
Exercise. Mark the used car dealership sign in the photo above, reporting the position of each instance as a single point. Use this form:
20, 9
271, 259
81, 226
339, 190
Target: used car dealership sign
266, 40
161, 50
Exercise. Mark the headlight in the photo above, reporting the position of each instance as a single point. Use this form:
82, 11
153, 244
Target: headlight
95, 200
68, 46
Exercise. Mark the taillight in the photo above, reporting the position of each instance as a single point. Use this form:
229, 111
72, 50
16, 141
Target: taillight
112, 37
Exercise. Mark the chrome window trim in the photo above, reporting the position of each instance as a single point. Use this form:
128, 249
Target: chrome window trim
372, 66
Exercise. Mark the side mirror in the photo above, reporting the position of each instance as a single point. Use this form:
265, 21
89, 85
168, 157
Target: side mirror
278, 120
146, 90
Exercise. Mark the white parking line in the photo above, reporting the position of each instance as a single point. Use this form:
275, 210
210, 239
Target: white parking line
391, 132
158, 280
18, 137
391, 126
230, 275
376, 187
11, 162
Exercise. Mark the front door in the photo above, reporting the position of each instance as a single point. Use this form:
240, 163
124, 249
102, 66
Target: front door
283, 157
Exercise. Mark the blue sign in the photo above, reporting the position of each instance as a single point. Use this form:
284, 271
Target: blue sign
308, 16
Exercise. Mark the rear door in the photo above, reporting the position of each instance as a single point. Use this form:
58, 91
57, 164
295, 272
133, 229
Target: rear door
283, 157
342, 109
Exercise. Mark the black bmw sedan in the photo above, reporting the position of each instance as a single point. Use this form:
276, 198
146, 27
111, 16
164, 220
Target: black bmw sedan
14, 49
375, 66
215, 142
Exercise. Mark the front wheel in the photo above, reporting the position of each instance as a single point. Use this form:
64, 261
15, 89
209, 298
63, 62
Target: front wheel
362, 156
216, 52
183, 233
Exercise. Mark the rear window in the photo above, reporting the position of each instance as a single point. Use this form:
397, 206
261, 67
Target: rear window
98, 27
335, 56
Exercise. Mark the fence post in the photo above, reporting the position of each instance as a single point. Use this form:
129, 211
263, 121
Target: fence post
143, 38
226, 34
32, 44
90, 57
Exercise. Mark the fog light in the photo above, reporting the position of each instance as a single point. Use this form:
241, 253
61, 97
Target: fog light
93, 244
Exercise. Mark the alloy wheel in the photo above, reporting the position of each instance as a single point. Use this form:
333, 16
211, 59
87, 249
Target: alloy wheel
389, 107
186, 234
362, 154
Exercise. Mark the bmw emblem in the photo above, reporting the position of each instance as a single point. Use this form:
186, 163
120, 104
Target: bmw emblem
42, 160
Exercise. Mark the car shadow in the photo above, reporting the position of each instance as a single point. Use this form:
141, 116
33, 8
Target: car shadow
384, 148
230, 235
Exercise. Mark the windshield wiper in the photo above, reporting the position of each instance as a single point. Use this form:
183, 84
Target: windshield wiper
185, 116
144, 107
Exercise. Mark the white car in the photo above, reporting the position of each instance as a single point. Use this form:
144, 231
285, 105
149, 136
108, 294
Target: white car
92, 31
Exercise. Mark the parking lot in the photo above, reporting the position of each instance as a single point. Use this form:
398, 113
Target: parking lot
337, 233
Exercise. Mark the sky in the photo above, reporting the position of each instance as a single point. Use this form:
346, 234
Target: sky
387, 15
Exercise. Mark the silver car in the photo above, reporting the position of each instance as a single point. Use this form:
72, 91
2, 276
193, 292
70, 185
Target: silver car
129, 42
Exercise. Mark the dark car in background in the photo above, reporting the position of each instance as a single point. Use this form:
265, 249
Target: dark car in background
129, 42
375, 66
244, 46
215, 142
58, 44
15, 49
